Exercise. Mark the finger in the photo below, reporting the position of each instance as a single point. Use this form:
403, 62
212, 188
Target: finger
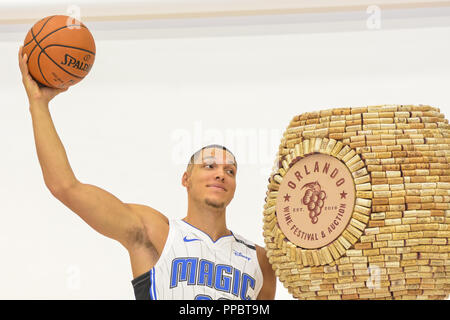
20, 52
62, 90
20, 56
30, 81
26, 77
23, 64
55, 92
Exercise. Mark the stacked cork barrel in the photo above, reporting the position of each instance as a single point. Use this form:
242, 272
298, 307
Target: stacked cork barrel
396, 244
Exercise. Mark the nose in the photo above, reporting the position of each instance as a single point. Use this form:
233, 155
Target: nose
220, 176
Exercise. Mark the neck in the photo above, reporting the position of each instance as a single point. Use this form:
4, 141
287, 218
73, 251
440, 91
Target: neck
207, 219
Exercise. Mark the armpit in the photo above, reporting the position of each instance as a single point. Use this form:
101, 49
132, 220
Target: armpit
138, 237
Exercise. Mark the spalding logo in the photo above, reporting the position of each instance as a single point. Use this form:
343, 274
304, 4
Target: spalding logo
75, 63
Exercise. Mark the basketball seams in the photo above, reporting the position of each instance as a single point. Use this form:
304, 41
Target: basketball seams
39, 66
42, 28
42, 51
71, 47
65, 46
38, 43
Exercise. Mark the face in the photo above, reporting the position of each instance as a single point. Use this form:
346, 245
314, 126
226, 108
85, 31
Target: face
211, 180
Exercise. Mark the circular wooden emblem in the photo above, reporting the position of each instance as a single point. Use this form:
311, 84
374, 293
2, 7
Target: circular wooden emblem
318, 213
315, 201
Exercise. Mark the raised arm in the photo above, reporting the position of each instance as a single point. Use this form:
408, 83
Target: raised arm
100, 209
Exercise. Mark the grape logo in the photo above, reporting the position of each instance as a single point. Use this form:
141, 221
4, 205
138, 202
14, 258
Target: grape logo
315, 200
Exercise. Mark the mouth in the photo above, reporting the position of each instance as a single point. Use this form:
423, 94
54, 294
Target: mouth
216, 187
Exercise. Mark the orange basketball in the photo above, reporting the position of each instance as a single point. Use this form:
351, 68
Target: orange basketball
60, 50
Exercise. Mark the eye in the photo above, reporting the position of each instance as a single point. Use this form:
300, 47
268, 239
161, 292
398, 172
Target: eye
231, 171
209, 165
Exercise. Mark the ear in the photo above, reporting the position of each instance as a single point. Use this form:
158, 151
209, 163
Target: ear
184, 179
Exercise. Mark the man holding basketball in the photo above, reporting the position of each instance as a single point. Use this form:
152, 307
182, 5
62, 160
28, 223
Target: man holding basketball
197, 257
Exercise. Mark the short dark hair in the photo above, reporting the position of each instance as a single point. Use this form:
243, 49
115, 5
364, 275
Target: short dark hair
218, 146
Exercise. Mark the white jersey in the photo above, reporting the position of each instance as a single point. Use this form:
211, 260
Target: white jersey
194, 267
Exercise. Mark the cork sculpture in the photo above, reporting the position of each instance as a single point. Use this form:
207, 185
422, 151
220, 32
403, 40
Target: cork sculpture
358, 206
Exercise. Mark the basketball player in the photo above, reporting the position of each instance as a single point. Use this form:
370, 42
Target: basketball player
197, 257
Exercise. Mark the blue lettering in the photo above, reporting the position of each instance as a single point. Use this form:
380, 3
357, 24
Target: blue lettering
222, 282
236, 282
206, 273
202, 297
246, 279
180, 271
221, 277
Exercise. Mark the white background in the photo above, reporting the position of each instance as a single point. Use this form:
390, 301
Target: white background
159, 91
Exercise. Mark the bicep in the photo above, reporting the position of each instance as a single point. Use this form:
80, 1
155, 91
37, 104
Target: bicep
101, 210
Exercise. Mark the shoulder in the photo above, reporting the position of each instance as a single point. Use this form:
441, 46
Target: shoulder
269, 286
262, 258
243, 241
